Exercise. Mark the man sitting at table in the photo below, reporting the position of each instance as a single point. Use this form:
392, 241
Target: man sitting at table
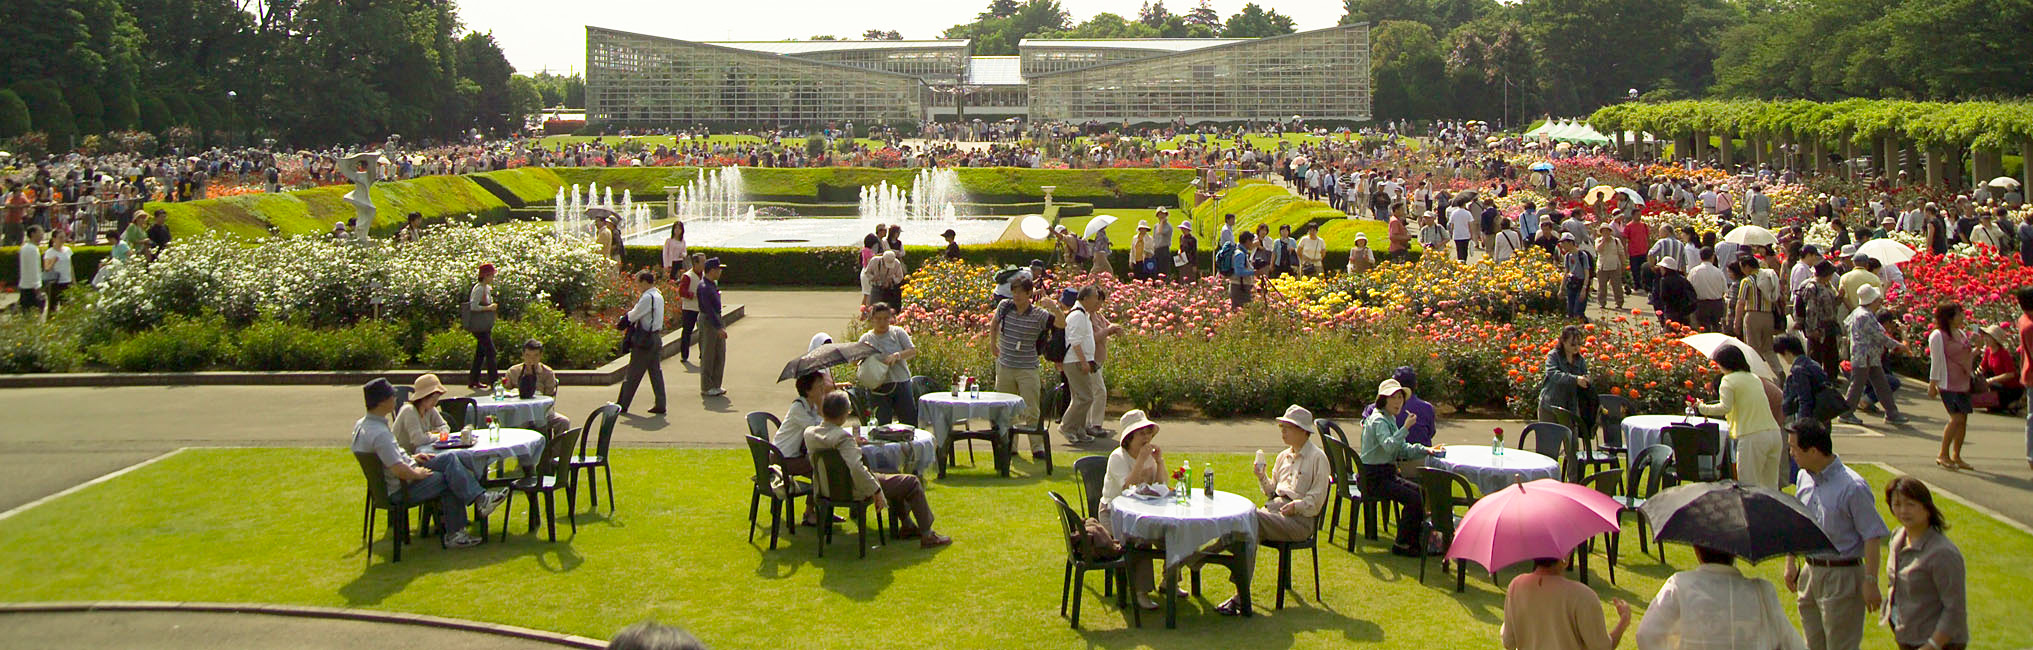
418, 423
532, 377
915, 520
1295, 490
420, 477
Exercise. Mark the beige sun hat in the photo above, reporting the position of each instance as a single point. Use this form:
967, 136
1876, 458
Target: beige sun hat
1133, 421
1298, 416
1390, 387
426, 385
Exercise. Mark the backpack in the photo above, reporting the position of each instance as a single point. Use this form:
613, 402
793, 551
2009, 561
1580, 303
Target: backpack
1224, 259
1052, 341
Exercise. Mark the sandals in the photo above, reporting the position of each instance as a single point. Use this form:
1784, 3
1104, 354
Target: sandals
1947, 465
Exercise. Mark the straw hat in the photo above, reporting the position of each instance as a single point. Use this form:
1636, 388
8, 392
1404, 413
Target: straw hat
1143, 225
1390, 387
1298, 416
426, 386
1998, 334
1132, 422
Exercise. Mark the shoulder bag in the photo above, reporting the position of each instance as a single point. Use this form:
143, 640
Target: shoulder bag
476, 320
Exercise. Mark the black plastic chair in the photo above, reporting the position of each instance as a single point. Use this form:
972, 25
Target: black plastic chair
1610, 428
1072, 583
1048, 405
378, 499
1002, 450
459, 412
1285, 551
1440, 486
1092, 470
1699, 453
837, 491
600, 458
769, 475
554, 472
1342, 461
1646, 476
1607, 482
763, 424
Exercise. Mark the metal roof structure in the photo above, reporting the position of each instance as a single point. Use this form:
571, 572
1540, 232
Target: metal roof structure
995, 71
808, 47
1153, 44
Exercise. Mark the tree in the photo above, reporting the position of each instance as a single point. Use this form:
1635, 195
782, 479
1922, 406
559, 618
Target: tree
998, 34
1103, 26
47, 111
154, 114
1153, 14
1441, 15
1593, 51
524, 100
999, 9
1203, 15
1255, 22
86, 109
13, 115
879, 35
482, 62
1406, 68
824, 37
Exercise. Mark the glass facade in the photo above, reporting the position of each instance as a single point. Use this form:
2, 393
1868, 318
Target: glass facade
634, 80
1321, 75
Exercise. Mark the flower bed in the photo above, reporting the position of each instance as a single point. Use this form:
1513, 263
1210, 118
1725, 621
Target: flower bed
1981, 281
1476, 335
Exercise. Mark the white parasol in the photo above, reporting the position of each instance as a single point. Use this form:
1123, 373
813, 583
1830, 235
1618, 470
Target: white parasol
2006, 182
1096, 225
1708, 343
1034, 227
1886, 251
1751, 236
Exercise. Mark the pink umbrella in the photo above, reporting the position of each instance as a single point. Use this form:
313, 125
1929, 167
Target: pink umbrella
1524, 521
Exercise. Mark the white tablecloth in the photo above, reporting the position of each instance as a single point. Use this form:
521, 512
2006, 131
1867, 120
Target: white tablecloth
1188, 527
1641, 431
938, 410
1490, 472
522, 444
514, 411
922, 452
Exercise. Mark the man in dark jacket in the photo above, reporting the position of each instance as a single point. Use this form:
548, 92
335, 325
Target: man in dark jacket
1675, 297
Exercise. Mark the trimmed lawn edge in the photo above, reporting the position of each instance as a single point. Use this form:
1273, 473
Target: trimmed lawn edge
306, 611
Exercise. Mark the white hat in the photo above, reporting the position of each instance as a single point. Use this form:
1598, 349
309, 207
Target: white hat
1670, 264
1566, 236
1361, 237
819, 339
1143, 225
1132, 421
1869, 295
1390, 387
1298, 416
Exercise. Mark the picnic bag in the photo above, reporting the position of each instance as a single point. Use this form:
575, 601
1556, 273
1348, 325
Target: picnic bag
1094, 543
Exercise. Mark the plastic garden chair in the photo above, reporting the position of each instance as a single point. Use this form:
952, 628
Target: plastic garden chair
837, 491
1442, 497
554, 472
600, 460
1072, 582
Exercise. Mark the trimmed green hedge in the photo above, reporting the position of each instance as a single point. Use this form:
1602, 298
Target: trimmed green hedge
1104, 188
832, 267
521, 187
313, 211
84, 263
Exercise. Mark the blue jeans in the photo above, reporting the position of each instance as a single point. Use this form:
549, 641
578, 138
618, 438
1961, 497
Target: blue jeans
2029, 426
451, 482
1577, 300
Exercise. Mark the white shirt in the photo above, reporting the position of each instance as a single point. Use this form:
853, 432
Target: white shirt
1709, 282
62, 256
648, 312
1714, 606
1801, 273
1079, 337
31, 267
1462, 222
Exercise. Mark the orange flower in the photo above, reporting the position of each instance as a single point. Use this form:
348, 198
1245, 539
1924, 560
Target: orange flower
1689, 384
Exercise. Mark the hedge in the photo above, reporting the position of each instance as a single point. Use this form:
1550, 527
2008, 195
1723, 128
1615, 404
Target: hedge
313, 211
522, 186
84, 263
1105, 188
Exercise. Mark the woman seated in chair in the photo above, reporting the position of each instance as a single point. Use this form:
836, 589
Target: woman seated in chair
1383, 445
915, 519
1135, 461
419, 422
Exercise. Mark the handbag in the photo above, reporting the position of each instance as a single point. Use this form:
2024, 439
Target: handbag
475, 320
1094, 543
1829, 403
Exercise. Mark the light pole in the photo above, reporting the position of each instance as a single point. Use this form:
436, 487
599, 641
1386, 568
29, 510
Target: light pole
233, 115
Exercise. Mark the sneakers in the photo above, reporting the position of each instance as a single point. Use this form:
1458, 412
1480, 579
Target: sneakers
714, 393
461, 539
1099, 433
1076, 437
1895, 418
1850, 418
490, 500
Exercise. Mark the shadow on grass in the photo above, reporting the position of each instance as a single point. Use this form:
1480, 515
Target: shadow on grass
386, 577
843, 570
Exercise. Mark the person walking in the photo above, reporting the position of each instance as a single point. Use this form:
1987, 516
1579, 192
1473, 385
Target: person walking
480, 314
1818, 305
674, 251
1082, 368
1714, 606
1461, 225
1543, 609
1950, 370
1760, 297
1711, 288
2025, 326
889, 378
644, 341
1925, 601
1868, 344
1017, 324
688, 305
712, 330
29, 266
57, 272
1838, 587
1609, 271
1580, 267
1805, 379
1162, 238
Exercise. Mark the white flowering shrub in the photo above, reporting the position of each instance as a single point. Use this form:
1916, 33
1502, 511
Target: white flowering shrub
315, 280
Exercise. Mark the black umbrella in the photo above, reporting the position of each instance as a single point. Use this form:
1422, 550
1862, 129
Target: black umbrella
1750, 522
826, 356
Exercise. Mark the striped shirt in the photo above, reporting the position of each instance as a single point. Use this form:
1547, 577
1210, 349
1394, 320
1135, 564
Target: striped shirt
1017, 341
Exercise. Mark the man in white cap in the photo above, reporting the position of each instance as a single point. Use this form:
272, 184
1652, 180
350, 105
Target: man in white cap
1674, 297
1295, 491
1868, 344
1580, 268
1161, 243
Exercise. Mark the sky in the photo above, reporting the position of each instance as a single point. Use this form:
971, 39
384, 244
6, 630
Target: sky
547, 34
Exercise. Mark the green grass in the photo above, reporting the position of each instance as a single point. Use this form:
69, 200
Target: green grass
676, 551
554, 141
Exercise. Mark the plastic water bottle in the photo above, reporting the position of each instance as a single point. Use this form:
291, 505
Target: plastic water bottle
1207, 480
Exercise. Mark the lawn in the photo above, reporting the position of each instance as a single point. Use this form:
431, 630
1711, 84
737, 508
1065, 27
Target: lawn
676, 550
555, 141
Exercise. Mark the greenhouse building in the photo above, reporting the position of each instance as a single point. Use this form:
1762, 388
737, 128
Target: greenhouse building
640, 81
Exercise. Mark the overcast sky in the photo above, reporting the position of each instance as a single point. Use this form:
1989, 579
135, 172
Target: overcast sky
552, 34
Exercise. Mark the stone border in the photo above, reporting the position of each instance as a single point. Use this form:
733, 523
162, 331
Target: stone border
605, 375
336, 613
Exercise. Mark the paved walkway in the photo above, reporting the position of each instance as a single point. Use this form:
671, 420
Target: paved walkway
60, 437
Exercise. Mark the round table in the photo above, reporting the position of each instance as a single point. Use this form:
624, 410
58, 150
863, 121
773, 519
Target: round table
1490, 472
1186, 528
1641, 431
914, 457
938, 411
524, 445
515, 411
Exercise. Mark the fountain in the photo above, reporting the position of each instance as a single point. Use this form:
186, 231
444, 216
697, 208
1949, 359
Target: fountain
931, 197
714, 196
568, 213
